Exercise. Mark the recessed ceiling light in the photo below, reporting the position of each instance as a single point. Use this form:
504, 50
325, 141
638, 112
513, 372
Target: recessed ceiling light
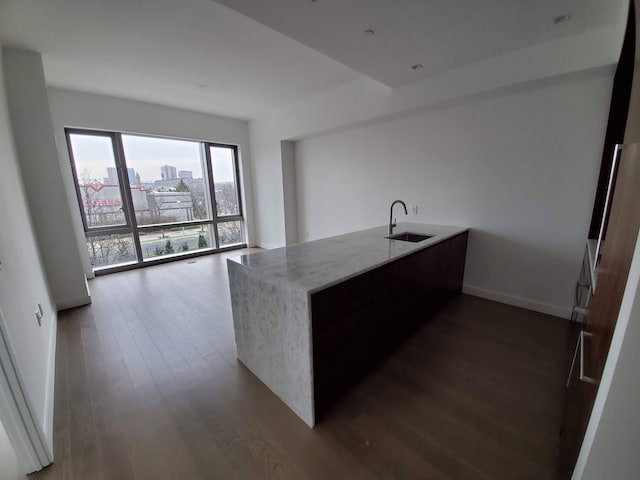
417, 66
368, 33
562, 18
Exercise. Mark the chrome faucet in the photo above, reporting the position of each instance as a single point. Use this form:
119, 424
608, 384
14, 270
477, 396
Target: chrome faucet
392, 221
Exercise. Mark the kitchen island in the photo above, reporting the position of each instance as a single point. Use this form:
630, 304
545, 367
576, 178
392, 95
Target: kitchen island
311, 319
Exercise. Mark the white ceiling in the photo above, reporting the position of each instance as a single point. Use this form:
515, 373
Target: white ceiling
203, 56
438, 34
193, 54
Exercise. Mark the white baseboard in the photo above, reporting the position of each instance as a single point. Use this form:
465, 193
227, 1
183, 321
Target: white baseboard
268, 246
555, 310
74, 302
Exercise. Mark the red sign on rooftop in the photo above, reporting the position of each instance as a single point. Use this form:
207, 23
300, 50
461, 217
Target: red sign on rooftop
95, 185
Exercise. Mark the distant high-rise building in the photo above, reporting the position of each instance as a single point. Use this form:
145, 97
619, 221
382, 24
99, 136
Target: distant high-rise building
168, 172
185, 174
138, 179
112, 176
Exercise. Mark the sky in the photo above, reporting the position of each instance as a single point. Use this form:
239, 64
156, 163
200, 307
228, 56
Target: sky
146, 155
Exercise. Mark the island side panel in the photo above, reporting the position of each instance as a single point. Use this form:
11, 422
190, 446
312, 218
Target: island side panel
272, 325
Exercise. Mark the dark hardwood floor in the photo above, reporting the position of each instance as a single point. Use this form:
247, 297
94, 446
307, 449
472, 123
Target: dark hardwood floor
148, 387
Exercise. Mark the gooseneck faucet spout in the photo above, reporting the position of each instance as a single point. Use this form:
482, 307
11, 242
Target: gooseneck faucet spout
392, 221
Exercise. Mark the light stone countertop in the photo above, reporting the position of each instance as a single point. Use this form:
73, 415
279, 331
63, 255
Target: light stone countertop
316, 265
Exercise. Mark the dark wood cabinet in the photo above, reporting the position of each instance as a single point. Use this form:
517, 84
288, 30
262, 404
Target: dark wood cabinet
611, 277
356, 323
603, 309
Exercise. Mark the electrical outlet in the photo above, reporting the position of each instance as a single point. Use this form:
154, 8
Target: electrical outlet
414, 209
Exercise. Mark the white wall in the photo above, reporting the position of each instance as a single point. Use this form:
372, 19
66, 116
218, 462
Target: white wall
612, 440
23, 284
519, 168
364, 100
35, 144
269, 192
290, 196
8, 459
86, 110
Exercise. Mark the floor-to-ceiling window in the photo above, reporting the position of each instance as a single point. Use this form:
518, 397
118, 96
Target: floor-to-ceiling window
147, 199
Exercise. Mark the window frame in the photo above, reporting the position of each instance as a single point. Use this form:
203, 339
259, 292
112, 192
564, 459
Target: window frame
131, 225
87, 228
214, 205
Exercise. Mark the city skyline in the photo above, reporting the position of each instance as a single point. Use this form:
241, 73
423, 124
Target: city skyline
147, 156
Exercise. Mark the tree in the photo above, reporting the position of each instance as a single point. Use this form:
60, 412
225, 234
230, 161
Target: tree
124, 249
158, 251
226, 198
182, 187
184, 247
199, 208
109, 249
202, 241
101, 250
198, 202
168, 248
229, 233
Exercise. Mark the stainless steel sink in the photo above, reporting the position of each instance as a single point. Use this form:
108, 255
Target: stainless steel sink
409, 237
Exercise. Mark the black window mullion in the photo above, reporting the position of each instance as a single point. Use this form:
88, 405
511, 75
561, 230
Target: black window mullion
94, 232
229, 218
121, 165
123, 186
236, 165
155, 226
212, 191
